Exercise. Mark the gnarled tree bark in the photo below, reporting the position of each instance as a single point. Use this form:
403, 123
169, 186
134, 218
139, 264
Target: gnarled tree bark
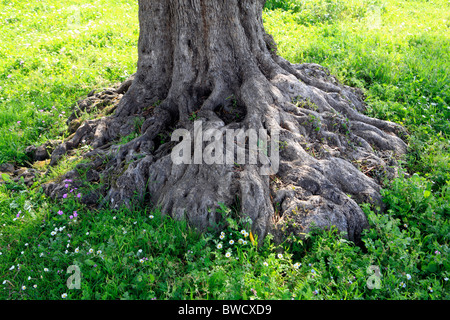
214, 60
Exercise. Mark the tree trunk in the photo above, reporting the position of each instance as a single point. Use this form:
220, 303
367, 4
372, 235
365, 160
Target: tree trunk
211, 61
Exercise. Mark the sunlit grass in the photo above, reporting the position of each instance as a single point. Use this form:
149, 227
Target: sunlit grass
52, 53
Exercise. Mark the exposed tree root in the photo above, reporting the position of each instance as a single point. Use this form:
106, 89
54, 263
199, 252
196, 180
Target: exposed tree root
331, 156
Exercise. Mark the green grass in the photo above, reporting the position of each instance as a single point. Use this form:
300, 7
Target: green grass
54, 53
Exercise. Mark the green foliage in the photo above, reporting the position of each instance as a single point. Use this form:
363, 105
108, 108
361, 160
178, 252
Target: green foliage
53, 53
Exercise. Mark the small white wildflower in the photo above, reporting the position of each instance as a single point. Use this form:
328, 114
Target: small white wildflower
141, 260
53, 233
408, 276
99, 251
280, 256
29, 278
87, 233
35, 286
77, 250
151, 216
45, 269
12, 267
297, 265
219, 246
23, 287
64, 295
91, 250
228, 254
265, 263
231, 242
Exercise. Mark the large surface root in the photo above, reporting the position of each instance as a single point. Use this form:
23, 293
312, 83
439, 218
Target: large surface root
331, 157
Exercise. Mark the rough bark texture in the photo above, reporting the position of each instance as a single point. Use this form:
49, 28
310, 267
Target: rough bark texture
213, 60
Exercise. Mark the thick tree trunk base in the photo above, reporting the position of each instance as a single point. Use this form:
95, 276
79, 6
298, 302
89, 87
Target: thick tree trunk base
332, 156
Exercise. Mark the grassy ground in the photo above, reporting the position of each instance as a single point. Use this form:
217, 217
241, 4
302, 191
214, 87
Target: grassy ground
52, 53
